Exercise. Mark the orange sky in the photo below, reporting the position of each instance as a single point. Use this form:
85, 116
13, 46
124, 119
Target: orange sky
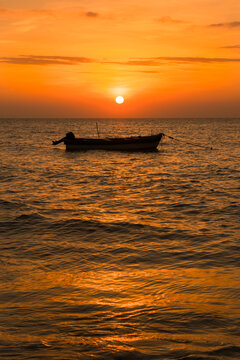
166, 58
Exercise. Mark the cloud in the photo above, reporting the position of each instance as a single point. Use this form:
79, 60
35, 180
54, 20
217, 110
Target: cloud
188, 60
149, 71
20, 12
76, 60
45, 60
231, 47
163, 60
2, 10
232, 24
25, 20
35, 14
141, 62
91, 14
169, 20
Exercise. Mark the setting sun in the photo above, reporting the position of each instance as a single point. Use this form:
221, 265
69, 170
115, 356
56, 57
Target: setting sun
82, 59
119, 99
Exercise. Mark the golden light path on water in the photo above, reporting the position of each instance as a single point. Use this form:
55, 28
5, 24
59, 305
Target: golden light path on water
136, 293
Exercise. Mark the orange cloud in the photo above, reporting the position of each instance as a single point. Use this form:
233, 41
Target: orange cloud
232, 24
45, 60
75, 60
91, 14
157, 61
189, 60
231, 47
20, 12
3, 11
170, 20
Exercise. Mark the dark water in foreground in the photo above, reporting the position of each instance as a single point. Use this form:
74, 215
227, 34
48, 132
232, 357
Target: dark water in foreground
119, 255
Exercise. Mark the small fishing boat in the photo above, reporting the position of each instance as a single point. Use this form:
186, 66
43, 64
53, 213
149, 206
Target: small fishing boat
133, 143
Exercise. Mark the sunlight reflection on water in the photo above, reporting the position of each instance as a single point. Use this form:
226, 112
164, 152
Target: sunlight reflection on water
119, 255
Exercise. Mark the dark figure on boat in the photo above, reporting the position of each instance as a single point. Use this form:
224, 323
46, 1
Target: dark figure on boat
69, 136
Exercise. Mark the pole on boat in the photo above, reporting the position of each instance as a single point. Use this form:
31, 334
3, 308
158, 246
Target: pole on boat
97, 129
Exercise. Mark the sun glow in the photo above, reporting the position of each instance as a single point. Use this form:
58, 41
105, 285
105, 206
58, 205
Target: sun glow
183, 75
119, 99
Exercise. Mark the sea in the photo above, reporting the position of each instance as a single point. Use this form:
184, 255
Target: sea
120, 255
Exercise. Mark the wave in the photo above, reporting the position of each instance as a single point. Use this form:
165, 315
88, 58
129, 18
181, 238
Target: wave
12, 205
122, 243
233, 352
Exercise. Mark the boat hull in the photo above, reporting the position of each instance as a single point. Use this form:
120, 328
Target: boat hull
138, 143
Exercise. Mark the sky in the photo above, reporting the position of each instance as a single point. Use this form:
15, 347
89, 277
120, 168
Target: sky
175, 58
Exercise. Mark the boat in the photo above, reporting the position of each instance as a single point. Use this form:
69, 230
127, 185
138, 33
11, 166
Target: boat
133, 143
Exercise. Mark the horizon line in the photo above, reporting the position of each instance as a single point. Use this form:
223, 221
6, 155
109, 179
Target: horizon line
118, 118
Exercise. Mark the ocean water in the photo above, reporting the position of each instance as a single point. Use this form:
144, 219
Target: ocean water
110, 255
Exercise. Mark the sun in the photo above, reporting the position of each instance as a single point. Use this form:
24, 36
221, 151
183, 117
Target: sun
119, 99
